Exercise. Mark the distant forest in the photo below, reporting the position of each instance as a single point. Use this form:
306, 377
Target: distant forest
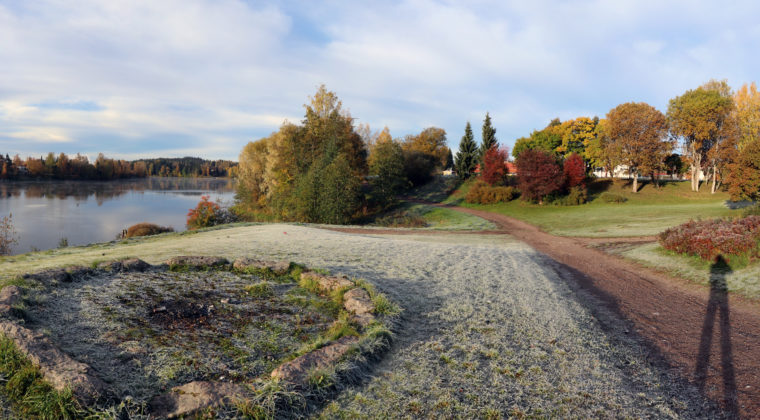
79, 167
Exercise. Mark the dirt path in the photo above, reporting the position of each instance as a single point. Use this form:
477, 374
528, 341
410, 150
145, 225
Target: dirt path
709, 337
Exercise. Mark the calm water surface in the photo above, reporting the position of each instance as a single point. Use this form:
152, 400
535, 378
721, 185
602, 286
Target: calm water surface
86, 212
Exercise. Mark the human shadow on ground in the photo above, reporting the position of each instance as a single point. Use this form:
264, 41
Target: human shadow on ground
717, 306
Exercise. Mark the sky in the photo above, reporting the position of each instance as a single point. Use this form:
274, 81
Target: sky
174, 78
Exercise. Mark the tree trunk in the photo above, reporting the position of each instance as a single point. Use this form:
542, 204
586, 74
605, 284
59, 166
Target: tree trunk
715, 176
635, 181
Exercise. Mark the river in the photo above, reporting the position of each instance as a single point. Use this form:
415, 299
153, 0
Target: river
84, 212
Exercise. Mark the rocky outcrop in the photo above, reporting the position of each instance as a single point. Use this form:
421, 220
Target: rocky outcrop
328, 283
194, 396
135, 264
57, 367
297, 370
197, 262
277, 267
357, 301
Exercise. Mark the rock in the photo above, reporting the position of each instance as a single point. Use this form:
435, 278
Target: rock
189, 398
197, 261
56, 366
363, 319
9, 296
135, 264
277, 267
357, 301
328, 283
296, 370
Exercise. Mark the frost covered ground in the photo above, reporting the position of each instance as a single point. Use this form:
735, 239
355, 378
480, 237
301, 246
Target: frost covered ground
490, 328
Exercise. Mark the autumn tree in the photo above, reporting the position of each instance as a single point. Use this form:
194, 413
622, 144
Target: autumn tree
488, 137
600, 151
423, 153
747, 114
699, 118
548, 139
467, 157
539, 174
494, 170
576, 135
252, 188
639, 130
386, 168
744, 173
574, 170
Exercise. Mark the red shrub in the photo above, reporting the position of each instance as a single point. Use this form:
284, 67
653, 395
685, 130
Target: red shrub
710, 238
574, 170
203, 215
495, 166
538, 174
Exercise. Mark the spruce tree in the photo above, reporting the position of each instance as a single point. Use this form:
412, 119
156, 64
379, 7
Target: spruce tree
489, 137
467, 155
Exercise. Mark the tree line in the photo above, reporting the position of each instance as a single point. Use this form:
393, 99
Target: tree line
79, 167
716, 130
328, 170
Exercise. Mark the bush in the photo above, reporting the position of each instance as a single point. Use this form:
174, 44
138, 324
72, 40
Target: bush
578, 195
494, 169
146, 229
208, 213
574, 170
612, 198
482, 193
709, 238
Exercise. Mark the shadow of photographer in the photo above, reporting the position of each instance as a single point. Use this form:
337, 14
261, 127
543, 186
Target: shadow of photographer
717, 306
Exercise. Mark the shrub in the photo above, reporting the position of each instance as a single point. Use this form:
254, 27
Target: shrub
482, 193
709, 238
608, 197
208, 213
539, 174
574, 170
576, 196
146, 229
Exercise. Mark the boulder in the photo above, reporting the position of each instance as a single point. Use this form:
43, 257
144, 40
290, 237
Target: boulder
328, 283
357, 301
297, 370
363, 319
194, 396
197, 261
9, 296
277, 267
56, 366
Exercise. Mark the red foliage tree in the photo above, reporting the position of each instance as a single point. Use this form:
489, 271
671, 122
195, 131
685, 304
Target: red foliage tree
495, 166
574, 170
539, 174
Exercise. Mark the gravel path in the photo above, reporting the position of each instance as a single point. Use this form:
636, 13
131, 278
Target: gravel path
490, 329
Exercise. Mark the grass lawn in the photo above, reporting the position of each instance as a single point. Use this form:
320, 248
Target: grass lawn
648, 212
430, 217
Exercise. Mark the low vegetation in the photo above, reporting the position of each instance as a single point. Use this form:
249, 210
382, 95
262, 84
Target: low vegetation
709, 239
482, 193
146, 229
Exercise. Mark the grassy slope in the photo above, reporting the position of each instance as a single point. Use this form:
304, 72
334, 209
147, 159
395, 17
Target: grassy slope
648, 212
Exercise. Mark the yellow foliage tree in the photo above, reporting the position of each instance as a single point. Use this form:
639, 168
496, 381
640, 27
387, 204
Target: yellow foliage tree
747, 114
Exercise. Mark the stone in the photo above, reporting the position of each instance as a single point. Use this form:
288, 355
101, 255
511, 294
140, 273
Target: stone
194, 396
198, 261
135, 264
277, 267
57, 367
363, 319
297, 370
357, 301
9, 296
328, 283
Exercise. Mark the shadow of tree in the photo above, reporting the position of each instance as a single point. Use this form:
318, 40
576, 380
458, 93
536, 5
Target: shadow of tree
718, 306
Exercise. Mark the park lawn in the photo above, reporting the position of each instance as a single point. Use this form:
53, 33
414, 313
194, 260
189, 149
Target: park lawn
436, 218
648, 212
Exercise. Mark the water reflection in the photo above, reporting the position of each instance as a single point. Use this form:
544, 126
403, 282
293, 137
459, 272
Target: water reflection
85, 212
